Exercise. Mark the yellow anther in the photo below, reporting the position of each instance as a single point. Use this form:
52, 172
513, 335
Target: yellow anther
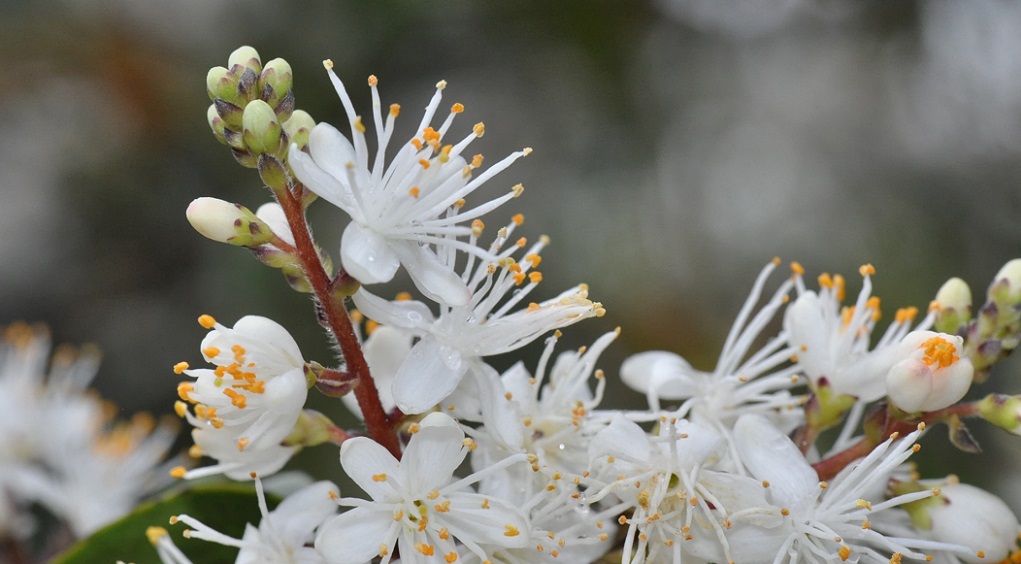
403, 296
510, 531
451, 557
424, 163
359, 125
328, 64
534, 307
867, 270
527, 151
154, 534
418, 144
239, 401
517, 190
414, 191
477, 160
845, 552
939, 350
395, 110
207, 321
442, 507
242, 443
457, 108
180, 367
185, 388
373, 80
178, 472
479, 129
211, 352
441, 85
195, 451
426, 549
379, 477
414, 428
518, 219
535, 277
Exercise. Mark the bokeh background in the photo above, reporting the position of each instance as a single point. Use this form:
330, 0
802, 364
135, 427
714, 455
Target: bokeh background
679, 146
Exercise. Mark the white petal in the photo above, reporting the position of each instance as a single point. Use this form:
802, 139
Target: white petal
385, 351
406, 314
431, 457
331, 151
367, 255
771, 456
436, 280
363, 459
353, 537
273, 215
621, 438
499, 413
298, 515
319, 181
669, 374
272, 335
430, 373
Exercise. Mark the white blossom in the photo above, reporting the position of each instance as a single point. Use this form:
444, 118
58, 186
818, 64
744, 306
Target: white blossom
408, 212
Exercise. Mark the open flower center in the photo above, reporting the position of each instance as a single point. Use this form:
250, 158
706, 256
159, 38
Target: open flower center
939, 350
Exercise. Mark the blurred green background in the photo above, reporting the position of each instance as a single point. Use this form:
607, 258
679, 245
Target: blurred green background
679, 146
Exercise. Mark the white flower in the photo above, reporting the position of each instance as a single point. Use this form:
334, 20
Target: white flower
250, 402
282, 537
740, 383
454, 343
832, 341
59, 446
931, 374
820, 521
385, 350
408, 212
416, 503
680, 507
969, 516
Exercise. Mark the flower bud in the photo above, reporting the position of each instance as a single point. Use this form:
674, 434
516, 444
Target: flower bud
931, 374
953, 301
969, 516
275, 84
247, 57
228, 223
221, 83
1011, 274
298, 128
311, 429
217, 124
1003, 411
262, 131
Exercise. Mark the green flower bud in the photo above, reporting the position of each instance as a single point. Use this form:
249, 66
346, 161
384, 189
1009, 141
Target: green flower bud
246, 57
245, 158
231, 114
262, 131
275, 82
217, 124
228, 223
295, 277
222, 84
1003, 411
953, 303
273, 173
1006, 286
311, 429
996, 330
299, 127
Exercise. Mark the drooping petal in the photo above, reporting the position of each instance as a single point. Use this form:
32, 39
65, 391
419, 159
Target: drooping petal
298, 515
667, 373
771, 456
385, 351
406, 314
369, 465
367, 255
436, 280
353, 537
621, 438
430, 373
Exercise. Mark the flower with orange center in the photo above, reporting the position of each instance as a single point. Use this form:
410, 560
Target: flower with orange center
931, 374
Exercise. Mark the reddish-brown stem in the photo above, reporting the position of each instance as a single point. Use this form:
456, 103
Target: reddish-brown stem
830, 467
376, 422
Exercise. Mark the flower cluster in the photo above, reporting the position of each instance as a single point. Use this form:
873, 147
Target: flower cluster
795, 447
60, 445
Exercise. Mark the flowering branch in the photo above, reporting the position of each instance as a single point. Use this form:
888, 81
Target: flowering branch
335, 314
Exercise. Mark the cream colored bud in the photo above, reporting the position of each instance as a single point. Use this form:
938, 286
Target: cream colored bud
1011, 272
954, 294
228, 223
972, 517
931, 374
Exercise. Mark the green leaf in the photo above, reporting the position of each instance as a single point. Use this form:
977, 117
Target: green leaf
224, 507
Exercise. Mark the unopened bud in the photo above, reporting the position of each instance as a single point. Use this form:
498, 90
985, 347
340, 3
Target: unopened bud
932, 373
228, 223
954, 306
232, 114
273, 173
275, 83
1003, 411
298, 128
217, 124
221, 83
247, 57
1007, 283
262, 131
245, 158
311, 429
